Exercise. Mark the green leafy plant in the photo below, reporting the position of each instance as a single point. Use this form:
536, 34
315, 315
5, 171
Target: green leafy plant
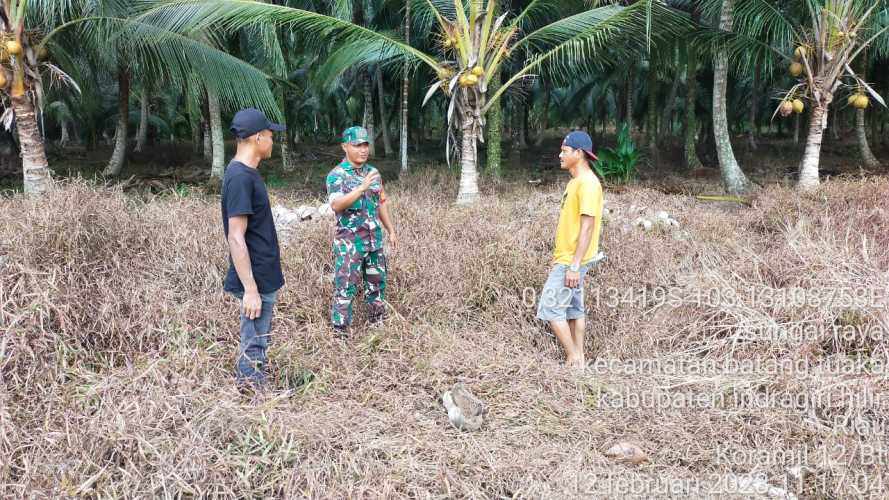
619, 164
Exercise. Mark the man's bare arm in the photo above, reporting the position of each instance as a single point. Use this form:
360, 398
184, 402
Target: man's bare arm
587, 223
237, 245
387, 223
385, 219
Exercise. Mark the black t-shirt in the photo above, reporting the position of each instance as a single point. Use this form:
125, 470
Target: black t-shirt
244, 193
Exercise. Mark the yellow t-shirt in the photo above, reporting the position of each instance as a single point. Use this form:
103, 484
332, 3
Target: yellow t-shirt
583, 196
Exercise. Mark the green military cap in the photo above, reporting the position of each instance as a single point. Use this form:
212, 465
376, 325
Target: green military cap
356, 136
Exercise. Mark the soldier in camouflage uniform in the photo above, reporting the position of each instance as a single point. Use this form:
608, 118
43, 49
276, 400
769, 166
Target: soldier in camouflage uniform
356, 194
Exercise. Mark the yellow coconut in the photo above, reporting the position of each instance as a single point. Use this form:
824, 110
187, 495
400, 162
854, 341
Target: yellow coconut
2, 79
478, 71
852, 99
798, 106
13, 47
468, 80
796, 69
862, 101
786, 108
799, 53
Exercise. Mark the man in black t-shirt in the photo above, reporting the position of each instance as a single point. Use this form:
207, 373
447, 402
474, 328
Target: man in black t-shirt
254, 274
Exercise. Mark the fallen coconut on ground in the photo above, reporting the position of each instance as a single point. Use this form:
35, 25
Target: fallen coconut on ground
627, 453
465, 411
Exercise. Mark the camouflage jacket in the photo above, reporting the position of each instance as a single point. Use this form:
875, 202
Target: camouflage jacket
360, 223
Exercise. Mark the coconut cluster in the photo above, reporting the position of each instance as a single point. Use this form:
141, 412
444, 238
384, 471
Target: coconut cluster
12, 48
859, 101
472, 77
796, 67
789, 106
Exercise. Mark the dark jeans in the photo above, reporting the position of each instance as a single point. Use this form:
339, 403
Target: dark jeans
255, 334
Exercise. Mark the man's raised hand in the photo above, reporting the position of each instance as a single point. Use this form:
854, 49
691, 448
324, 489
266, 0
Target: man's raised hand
369, 180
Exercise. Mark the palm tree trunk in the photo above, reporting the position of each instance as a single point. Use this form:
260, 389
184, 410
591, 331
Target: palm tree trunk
217, 165
796, 127
286, 158
603, 114
142, 133
867, 156
118, 157
494, 132
421, 129
733, 178
208, 142
520, 118
754, 103
369, 110
544, 119
692, 161
195, 137
654, 154
384, 122
37, 177
286, 155
405, 86
468, 174
631, 78
834, 124
66, 138
667, 117
808, 170
405, 116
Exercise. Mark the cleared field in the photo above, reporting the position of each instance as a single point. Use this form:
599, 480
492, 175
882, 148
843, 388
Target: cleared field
745, 341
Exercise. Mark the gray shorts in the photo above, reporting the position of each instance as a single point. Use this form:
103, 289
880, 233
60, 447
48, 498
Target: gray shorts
558, 302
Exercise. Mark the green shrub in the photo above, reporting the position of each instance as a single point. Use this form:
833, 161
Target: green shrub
619, 164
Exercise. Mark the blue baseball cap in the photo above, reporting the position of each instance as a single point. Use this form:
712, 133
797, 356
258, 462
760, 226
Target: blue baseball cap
251, 121
580, 140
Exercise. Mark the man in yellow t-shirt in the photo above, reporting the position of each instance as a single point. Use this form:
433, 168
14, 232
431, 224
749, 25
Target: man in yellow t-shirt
577, 248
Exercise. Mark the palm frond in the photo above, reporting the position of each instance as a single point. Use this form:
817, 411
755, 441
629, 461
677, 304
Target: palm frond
176, 57
352, 55
570, 47
183, 16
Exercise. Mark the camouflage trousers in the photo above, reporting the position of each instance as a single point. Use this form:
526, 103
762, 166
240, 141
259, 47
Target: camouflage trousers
352, 267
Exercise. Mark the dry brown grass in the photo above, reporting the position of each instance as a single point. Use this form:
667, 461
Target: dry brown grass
118, 345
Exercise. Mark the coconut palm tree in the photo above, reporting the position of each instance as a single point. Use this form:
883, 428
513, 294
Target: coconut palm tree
21, 83
45, 40
839, 31
473, 44
733, 179
820, 40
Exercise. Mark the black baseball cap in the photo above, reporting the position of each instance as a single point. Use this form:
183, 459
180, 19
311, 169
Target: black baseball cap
580, 140
251, 121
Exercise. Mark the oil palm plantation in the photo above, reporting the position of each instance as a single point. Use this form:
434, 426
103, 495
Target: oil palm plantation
562, 38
